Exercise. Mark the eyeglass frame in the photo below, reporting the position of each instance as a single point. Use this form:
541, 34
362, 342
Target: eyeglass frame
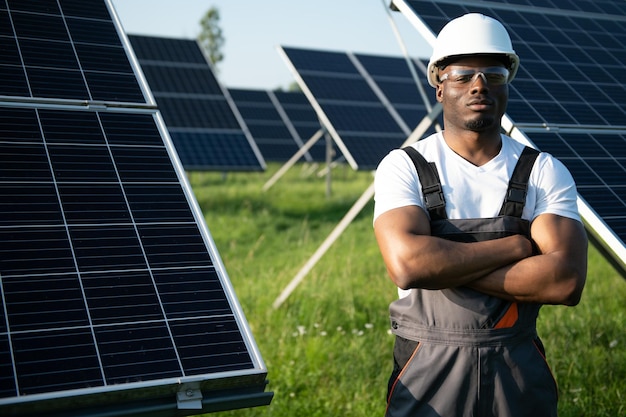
483, 72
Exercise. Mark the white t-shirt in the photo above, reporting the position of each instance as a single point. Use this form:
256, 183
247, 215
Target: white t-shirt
471, 191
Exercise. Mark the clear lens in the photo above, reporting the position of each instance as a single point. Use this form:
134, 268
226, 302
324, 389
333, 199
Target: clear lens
491, 75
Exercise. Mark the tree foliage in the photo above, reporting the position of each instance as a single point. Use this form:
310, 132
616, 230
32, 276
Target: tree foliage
211, 38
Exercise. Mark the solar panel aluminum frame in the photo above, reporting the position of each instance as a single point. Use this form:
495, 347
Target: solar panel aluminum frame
605, 239
183, 395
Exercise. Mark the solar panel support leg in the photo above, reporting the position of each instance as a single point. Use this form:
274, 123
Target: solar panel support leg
329, 160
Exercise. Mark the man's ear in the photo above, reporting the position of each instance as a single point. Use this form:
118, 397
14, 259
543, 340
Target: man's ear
439, 92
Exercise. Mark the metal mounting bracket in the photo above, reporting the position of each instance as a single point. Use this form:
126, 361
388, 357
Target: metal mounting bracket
189, 398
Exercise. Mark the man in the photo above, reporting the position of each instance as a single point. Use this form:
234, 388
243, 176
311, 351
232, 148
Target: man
475, 255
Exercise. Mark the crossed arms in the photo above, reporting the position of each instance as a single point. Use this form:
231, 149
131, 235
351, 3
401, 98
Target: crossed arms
505, 267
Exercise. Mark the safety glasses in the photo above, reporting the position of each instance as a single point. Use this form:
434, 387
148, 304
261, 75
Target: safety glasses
490, 75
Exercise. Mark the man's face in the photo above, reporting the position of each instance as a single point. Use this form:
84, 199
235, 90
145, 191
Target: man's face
473, 94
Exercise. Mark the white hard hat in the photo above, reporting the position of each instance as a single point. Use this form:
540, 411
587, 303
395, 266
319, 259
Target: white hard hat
472, 34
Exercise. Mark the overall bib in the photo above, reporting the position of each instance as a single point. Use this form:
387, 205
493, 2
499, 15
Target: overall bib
462, 353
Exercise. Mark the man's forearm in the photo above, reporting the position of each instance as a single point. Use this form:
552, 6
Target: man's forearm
444, 264
545, 279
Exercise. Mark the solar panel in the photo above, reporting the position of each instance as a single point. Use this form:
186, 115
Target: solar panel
365, 102
569, 96
114, 300
201, 118
280, 122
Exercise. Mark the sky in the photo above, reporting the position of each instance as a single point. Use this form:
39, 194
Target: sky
253, 29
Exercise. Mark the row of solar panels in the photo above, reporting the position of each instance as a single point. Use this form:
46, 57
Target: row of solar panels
213, 128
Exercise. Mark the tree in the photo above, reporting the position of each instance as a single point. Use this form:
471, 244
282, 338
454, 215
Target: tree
210, 38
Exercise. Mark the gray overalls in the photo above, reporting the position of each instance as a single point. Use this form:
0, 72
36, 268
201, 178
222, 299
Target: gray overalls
462, 353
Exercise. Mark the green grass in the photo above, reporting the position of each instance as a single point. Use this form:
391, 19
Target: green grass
327, 348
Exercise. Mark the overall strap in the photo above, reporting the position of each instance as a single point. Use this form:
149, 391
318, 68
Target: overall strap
518, 184
431, 184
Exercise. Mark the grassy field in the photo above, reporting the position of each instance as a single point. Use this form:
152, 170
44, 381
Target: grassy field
328, 348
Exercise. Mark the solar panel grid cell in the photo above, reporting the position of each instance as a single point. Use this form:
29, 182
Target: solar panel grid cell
175, 51
338, 87
9, 52
199, 113
303, 115
292, 98
260, 111
193, 81
223, 147
265, 134
323, 61
55, 360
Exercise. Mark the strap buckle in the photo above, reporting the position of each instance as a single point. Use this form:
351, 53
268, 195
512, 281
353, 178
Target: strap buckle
433, 196
517, 193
